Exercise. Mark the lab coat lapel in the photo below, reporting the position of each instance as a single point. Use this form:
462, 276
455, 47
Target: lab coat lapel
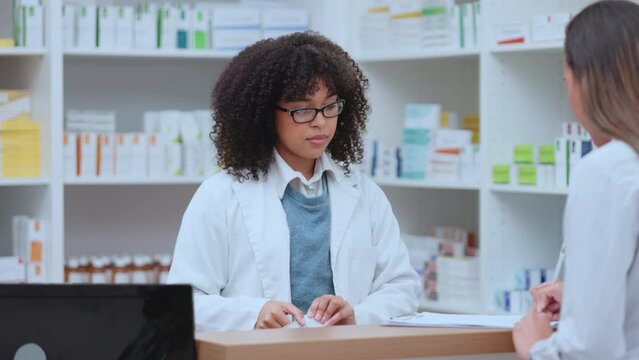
344, 196
268, 234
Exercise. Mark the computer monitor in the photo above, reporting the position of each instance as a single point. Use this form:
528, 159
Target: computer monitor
97, 321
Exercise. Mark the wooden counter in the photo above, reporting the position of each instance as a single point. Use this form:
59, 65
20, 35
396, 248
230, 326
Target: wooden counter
350, 342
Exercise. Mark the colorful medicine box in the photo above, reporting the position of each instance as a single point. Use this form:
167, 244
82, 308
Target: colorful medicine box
524, 154
547, 154
527, 175
501, 174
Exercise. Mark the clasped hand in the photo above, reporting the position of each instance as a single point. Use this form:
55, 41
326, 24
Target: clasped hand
535, 326
327, 309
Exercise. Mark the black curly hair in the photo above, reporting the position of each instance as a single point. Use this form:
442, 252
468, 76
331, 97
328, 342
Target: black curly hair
288, 67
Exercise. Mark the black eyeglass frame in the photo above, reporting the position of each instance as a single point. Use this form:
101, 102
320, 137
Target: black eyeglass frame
292, 112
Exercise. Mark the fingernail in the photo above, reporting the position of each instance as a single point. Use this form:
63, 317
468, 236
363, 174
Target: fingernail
317, 317
323, 319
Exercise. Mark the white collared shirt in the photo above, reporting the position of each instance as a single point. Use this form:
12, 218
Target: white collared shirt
283, 175
600, 305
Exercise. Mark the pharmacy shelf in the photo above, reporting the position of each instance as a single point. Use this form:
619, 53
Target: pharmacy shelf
170, 54
423, 184
550, 47
136, 181
371, 57
16, 51
24, 182
522, 189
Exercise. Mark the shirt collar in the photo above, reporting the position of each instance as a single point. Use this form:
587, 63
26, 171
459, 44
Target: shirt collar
282, 174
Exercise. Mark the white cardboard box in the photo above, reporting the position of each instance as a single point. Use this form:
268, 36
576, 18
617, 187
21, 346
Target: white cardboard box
107, 22
32, 26
145, 27
86, 20
541, 28
36, 252
124, 27
87, 155
12, 269
106, 151
123, 155
68, 25
139, 145
70, 150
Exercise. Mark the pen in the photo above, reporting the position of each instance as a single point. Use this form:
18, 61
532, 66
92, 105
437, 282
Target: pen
560, 262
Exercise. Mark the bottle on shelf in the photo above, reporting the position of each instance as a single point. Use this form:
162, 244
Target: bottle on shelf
140, 275
73, 274
163, 267
108, 266
121, 270
85, 269
98, 271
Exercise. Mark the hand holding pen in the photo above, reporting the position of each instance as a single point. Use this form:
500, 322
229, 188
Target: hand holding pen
547, 296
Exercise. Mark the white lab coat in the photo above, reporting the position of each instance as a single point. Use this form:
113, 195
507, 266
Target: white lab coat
233, 247
600, 305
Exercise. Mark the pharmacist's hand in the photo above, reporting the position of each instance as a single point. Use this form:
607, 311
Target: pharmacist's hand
332, 310
533, 327
547, 298
274, 314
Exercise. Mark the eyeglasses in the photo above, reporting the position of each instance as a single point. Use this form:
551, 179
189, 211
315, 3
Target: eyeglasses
304, 115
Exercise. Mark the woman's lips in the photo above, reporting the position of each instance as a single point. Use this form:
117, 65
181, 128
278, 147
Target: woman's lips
318, 139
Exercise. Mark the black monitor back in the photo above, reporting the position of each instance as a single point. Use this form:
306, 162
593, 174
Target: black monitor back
112, 322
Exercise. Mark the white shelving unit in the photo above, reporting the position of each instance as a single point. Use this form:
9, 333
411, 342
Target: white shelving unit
21, 52
521, 189
172, 54
517, 89
552, 47
182, 180
25, 182
364, 57
421, 184
39, 71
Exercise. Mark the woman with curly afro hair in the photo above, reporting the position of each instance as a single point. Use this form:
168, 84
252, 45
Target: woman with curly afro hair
288, 231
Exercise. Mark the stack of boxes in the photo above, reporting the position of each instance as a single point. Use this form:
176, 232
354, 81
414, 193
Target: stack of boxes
416, 25
448, 265
235, 28
471, 123
28, 262
174, 143
20, 154
542, 28
278, 22
419, 122
433, 148
28, 23
198, 26
518, 300
546, 165
374, 27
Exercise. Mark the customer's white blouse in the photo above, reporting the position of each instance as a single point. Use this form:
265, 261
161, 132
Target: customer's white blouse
600, 309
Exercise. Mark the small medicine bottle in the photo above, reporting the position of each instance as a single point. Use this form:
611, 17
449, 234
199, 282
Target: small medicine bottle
163, 268
72, 272
85, 269
121, 272
139, 274
108, 266
98, 271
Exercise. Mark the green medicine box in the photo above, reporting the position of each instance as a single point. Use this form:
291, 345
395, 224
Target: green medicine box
547, 154
527, 175
501, 174
524, 154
